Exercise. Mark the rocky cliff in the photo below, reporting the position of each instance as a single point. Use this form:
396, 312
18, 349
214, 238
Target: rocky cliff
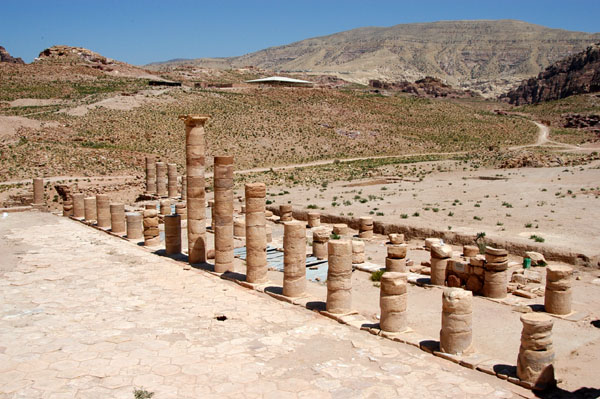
6, 57
576, 74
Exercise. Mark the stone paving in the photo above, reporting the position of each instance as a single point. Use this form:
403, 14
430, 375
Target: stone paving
87, 315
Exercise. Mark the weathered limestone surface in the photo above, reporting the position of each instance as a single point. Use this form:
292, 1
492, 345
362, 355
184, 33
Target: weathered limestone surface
161, 179
135, 228
256, 233
90, 210
339, 276
172, 234
223, 213
196, 196
151, 175
536, 353
103, 211
117, 218
393, 297
557, 298
78, 205
294, 259
456, 335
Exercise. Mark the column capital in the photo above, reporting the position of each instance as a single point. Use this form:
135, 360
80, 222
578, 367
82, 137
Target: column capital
194, 119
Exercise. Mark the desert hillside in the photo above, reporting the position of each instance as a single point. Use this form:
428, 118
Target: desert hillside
489, 56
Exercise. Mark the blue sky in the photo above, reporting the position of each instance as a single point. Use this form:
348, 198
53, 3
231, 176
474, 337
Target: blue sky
140, 32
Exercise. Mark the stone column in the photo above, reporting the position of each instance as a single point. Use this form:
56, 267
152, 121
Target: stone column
184, 187
339, 276
89, 209
495, 279
172, 234
285, 213
151, 205
211, 205
135, 229
396, 258
294, 259
393, 297
439, 262
239, 227
196, 195
456, 334
103, 211
117, 218
319, 245
396, 238
256, 234
340, 229
365, 227
470, 251
161, 179
78, 206
151, 233
269, 234
536, 353
172, 180
223, 213
557, 299
314, 219
165, 207
38, 191
151, 175
358, 252
67, 198
181, 210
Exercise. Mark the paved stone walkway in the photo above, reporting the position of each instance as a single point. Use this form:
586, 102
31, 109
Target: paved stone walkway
87, 315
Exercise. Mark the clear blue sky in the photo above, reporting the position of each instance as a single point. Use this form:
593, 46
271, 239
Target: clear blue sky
140, 32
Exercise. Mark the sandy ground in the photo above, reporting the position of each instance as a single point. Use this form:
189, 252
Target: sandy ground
10, 125
122, 103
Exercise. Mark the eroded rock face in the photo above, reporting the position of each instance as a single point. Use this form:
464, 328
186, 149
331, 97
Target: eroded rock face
73, 54
577, 74
6, 57
427, 87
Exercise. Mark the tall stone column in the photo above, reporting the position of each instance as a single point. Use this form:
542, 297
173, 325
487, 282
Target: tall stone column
38, 191
78, 205
151, 232
495, 281
103, 211
557, 299
366, 227
172, 180
161, 179
440, 254
256, 233
223, 213
319, 245
151, 174
135, 230
294, 259
536, 353
339, 276
358, 252
456, 334
117, 218
90, 211
172, 234
196, 196
393, 297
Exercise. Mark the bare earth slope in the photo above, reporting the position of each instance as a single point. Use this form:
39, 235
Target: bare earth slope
486, 55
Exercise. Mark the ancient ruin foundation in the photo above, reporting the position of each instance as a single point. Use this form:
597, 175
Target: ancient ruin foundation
495, 280
223, 213
256, 235
294, 259
135, 229
456, 334
89, 207
339, 276
314, 219
196, 196
536, 353
365, 227
396, 258
557, 298
393, 297
172, 234
117, 218
78, 206
319, 245
161, 179
151, 233
285, 213
358, 252
172, 180
103, 211
439, 262
151, 175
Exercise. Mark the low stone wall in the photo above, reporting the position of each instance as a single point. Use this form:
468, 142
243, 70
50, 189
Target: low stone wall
450, 237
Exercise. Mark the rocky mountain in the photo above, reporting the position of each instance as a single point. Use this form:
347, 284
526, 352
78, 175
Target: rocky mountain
6, 57
488, 56
577, 74
427, 87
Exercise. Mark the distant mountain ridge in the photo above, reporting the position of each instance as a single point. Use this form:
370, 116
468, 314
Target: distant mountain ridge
488, 56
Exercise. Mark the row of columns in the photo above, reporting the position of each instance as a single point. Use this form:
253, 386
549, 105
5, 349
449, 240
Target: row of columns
161, 178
